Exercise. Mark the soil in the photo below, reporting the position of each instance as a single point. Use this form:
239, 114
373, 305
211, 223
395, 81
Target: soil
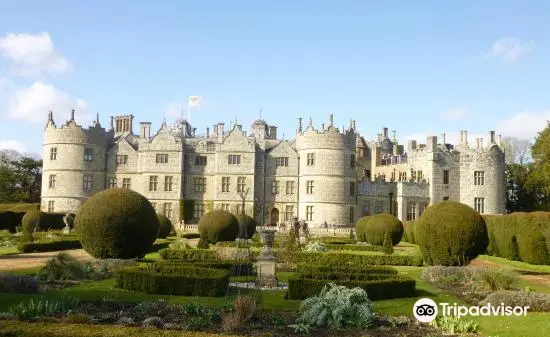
35, 260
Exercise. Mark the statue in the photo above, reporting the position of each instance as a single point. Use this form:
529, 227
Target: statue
68, 219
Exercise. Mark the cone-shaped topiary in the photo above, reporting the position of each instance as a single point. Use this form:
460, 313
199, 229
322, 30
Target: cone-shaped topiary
117, 223
361, 227
247, 225
165, 226
388, 246
380, 224
218, 226
450, 234
30, 223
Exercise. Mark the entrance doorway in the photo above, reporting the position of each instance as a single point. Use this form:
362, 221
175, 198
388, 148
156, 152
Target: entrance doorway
274, 217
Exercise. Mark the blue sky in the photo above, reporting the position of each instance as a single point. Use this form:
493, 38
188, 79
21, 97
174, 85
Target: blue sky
421, 68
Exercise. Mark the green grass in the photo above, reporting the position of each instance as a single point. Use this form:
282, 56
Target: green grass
516, 265
8, 250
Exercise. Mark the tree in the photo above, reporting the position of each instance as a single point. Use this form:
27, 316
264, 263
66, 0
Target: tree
20, 177
519, 198
517, 151
538, 180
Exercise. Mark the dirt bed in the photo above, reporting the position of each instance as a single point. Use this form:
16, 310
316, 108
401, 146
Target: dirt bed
34, 260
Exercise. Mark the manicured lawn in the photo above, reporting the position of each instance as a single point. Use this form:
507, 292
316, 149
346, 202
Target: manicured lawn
516, 265
8, 250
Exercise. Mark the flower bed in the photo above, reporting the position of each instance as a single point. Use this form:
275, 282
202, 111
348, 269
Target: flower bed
190, 255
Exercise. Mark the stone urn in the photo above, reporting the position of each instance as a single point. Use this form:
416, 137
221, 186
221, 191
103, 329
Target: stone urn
268, 238
68, 219
266, 262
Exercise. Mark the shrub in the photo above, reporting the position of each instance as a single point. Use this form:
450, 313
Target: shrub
387, 246
495, 280
355, 260
63, 267
447, 275
288, 254
190, 235
179, 244
217, 226
532, 246
117, 223
189, 254
10, 220
408, 227
315, 247
203, 244
536, 301
337, 240
165, 226
30, 224
454, 325
236, 268
186, 281
378, 225
450, 233
247, 226
244, 309
361, 228
304, 268
337, 306
353, 247
29, 247
10, 283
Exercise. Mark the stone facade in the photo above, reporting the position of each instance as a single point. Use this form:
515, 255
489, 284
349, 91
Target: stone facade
324, 176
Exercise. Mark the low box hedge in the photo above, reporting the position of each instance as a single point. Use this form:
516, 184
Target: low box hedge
236, 269
354, 247
305, 268
356, 260
337, 240
29, 247
190, 235
188, 254
300, 287
185, 281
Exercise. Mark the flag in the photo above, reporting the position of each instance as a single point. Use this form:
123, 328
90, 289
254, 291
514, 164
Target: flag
193, 100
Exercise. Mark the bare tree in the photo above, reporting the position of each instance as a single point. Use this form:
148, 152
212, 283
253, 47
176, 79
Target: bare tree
517, 151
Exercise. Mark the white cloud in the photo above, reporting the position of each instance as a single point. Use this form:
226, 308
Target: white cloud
523, 125
510, 49
33, 103
174, 110
455, 114
11, 144
32, 55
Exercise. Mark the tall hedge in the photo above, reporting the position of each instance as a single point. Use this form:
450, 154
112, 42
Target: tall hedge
408, 234
117, 223
247, 226
361, 227
165, 226
381, 224
218, 226
31, 223
450, 233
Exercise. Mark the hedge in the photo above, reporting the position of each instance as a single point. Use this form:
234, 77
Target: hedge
300, 287
10, 328
379, 225
305, 268
9, 220
186, 281
355, 260
188, 254
337, 240
363, 248
408, 234
53, 246
190, 235
236, 269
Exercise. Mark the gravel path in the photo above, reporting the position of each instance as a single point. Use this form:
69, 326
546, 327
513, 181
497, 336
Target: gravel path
534, 277
33, 260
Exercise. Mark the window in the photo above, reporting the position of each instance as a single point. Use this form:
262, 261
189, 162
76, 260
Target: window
419, 175
352, 161
225, 184
352, 215
167, 209
352, 188
445, 198
53, 153
366, 173
51, 206
153, 182
168, 183
479, 205
411, 211
393, 176
199, 184
413, 175
310, 159
241, 184
275, 187
445, 177
154, 204
200, 161
290, 187
479, 178
309, 187
88, 154
126, 183
309, 213
239, 209
87, 182
112, 182
162, 158
289, 212
121, 159
198, 210
211, 147
234, 159
225, 207
281, 161
402, 176
52, 181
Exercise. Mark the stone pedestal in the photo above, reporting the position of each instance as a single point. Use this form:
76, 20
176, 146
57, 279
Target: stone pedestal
266, 263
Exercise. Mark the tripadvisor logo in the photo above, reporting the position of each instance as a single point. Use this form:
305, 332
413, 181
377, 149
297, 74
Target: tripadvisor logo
426, 310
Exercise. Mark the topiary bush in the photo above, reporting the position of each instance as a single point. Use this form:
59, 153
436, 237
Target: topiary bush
247, 226
360, 228
450, 234
380, 224
30, 224
217, 226
165, 226
532, 247
117, 223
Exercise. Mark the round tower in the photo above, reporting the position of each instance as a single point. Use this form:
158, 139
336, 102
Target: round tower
73, 164
495, 165
327, 175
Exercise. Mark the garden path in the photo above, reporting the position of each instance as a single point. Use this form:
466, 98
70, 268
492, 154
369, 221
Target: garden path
533, 277
34, 260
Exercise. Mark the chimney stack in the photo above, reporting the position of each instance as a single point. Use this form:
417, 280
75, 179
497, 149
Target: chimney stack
431, 143
499, 140
299, 129
491, 137
466, 137
220, 131
145, 130
412, 145
443, 138
72, 114
478, 143
331, 119
385, 133
353, 124
207, 132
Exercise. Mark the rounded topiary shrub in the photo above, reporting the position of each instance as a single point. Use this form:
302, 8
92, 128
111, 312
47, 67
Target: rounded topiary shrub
247, 226
450, 234
165, 226
360, 228
117, 223
218, 226
378, 225
31, 223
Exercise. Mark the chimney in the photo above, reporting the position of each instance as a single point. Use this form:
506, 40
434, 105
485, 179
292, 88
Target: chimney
72, 114
220, 131
299, 129
499, 140
379, 137
112, 122
145, 130
323, 126
353, 124
207, 132
443, 138
385, 133
491, 137
272, 132
461, 136
331, 119
466, 137
478, 143
431, 143
412, 145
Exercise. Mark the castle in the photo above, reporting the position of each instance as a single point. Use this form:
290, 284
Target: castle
323, 176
